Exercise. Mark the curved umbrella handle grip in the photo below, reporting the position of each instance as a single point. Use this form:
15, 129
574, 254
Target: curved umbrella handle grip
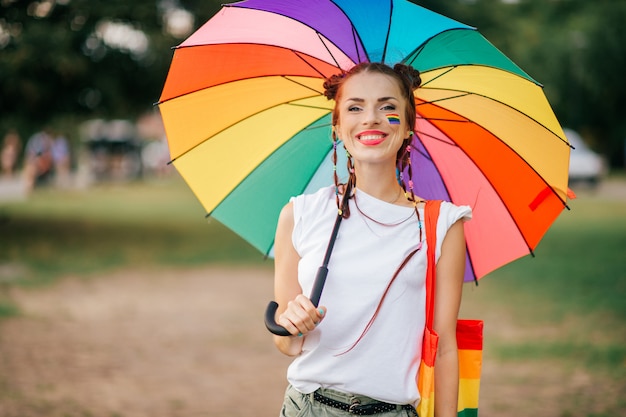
270, 320
316, 294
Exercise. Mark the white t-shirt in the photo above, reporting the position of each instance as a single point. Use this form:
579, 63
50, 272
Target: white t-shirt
384, 364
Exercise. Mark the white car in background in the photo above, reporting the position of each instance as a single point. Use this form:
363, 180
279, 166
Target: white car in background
585, 166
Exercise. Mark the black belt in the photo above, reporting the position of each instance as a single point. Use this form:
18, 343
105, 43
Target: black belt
362, 409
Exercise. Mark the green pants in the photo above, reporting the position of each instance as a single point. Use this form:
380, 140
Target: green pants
297, 404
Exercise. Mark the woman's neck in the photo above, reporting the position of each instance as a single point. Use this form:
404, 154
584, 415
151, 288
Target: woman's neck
379, 183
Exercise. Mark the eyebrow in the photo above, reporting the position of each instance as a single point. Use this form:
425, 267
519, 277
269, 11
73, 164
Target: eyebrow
360, 100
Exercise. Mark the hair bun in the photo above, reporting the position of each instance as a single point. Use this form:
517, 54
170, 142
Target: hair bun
410, 73
331, 86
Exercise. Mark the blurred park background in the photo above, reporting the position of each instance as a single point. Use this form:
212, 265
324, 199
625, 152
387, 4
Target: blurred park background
94, 223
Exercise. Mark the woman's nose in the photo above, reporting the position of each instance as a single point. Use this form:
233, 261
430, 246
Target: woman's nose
372, 117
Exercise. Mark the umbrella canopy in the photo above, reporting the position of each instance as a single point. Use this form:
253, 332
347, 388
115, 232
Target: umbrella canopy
248, 125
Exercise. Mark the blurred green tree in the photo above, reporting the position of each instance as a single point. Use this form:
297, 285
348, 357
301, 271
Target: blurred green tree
77, 59
63, 61
601, 62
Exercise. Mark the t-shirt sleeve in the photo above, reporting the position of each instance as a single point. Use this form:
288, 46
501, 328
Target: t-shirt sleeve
448, 215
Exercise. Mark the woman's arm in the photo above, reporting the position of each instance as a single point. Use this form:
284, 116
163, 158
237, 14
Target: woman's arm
295, 311
450, 271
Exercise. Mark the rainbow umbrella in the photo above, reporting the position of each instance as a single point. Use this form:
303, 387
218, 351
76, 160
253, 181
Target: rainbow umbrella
248, 126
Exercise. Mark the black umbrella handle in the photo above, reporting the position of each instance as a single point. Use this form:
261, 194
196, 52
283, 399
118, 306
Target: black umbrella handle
322, 272
316, 294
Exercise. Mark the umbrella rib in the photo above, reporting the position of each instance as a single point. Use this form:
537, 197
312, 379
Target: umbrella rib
355, 36
449, 143
417, 51
319, 35
308, 106
439, 76
308, 63
442, 119
388, 32
286, 77
463, 94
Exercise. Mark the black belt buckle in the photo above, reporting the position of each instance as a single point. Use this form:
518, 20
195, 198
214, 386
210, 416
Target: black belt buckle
368, 409
354, 407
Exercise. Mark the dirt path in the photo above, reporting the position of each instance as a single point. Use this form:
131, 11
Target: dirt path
191, 343
173, 343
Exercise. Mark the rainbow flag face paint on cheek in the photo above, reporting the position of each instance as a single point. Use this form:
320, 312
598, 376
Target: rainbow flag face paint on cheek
393, 118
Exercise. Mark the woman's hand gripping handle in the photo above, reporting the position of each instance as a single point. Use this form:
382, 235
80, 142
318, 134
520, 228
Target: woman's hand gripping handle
316, 293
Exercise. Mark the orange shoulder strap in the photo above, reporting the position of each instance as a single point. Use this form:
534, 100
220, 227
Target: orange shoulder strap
431, 215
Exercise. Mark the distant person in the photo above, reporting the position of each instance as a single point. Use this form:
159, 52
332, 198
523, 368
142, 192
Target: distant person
61, 158
38, 160
11, 148
155, 157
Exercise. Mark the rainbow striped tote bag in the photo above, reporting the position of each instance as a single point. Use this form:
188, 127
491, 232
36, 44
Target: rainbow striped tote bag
469, 335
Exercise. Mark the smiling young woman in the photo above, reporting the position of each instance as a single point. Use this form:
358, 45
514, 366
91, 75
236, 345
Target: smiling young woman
361, 348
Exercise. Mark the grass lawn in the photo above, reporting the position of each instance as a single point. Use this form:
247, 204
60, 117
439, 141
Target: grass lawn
56, 233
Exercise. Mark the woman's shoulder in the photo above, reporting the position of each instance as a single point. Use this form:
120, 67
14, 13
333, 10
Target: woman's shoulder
314, 201
453, 212
321, 195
